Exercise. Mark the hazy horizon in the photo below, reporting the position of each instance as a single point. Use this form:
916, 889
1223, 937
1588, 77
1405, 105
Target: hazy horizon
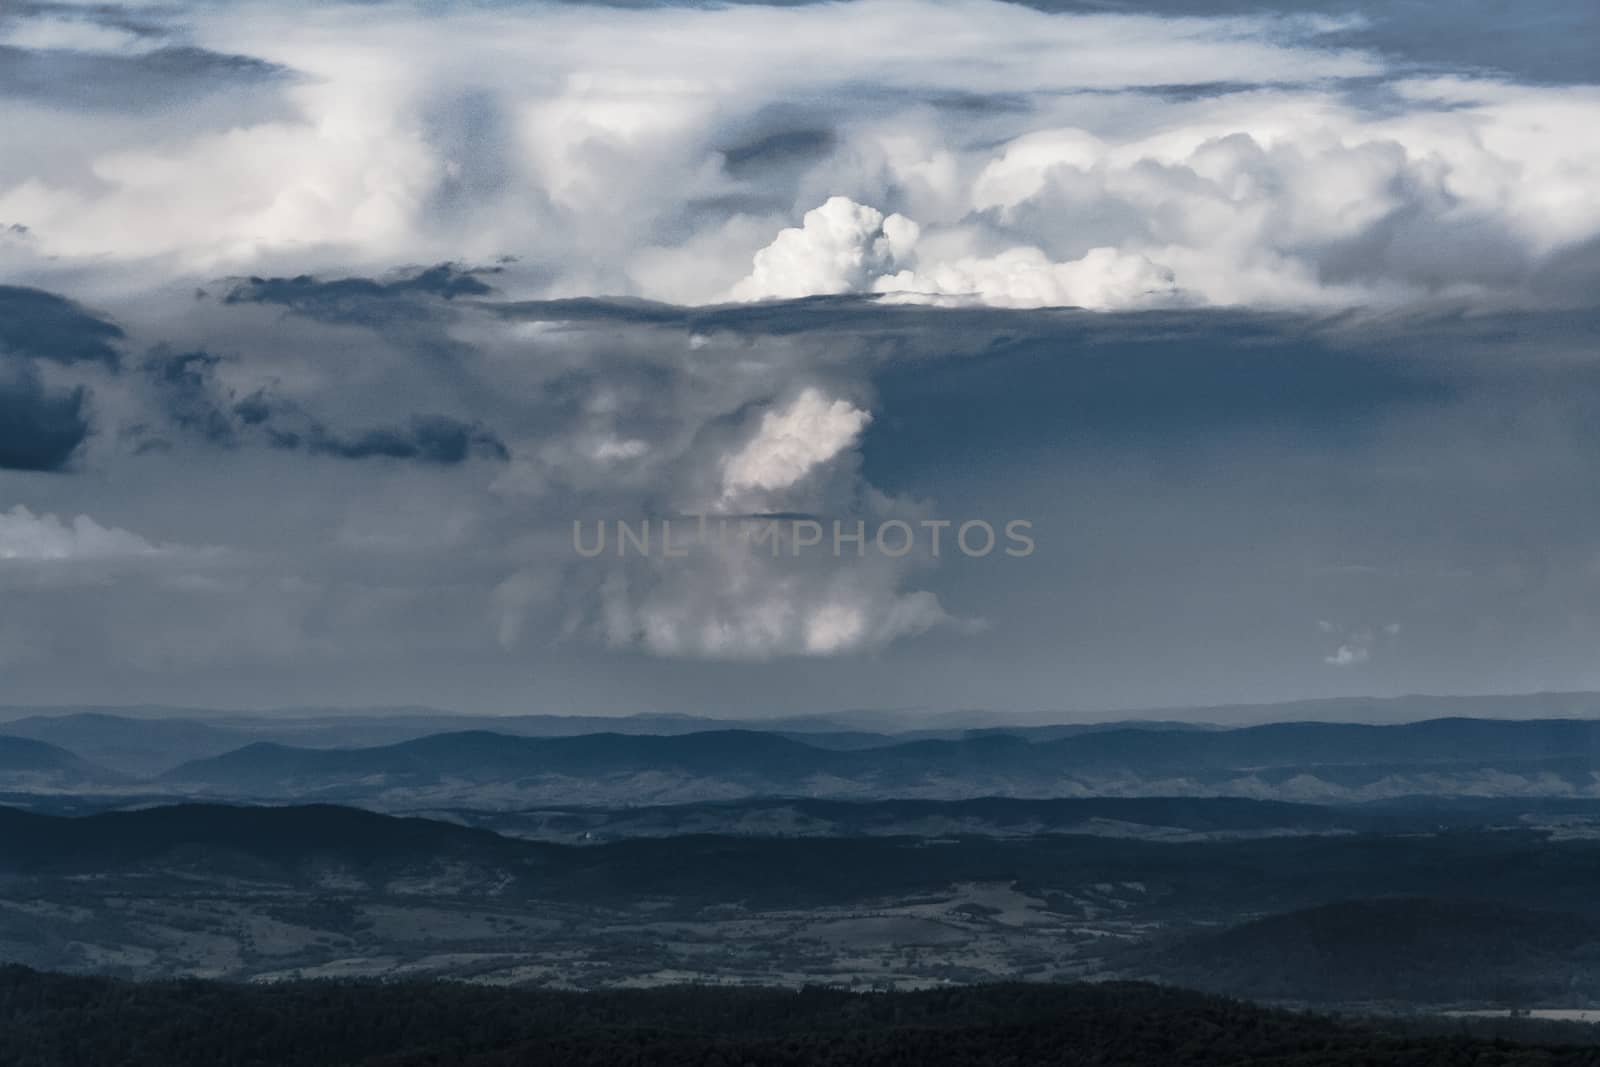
1380, 710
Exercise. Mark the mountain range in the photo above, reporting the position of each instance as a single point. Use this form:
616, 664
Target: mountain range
1320, 762
1301, 761
150, 740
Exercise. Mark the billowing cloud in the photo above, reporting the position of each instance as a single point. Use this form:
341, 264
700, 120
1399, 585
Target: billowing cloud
792, 442
839, 247
845, 247
1025, 278
756, 152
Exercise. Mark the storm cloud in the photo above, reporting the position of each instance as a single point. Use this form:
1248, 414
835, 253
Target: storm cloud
196, 402
40, 428
1277, 327
46, 326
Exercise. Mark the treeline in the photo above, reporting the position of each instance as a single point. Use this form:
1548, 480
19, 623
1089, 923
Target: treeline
49, 1020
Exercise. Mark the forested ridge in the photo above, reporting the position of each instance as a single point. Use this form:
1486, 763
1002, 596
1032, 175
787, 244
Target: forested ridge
49, 1020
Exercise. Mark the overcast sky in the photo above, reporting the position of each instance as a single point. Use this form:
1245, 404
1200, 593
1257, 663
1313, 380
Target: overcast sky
321, 325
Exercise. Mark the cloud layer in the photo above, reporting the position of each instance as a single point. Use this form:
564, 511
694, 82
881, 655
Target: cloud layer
996, 155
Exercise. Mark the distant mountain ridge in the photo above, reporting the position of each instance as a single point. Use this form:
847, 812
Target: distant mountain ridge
1289, 761
410, 761
911, 723
147, 740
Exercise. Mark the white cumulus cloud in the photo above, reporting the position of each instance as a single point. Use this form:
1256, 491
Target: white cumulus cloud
838, 248
792, 442
1025, 278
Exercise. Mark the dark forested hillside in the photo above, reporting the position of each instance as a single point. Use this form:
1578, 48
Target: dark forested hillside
323, 891
203, 832
1195, 879
1413, 950
54, 1021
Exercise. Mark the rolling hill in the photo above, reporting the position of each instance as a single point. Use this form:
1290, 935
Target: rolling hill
27, 764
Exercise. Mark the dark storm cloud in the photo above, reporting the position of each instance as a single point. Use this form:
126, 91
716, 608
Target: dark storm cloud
195, 402
1538, 40
365, 301
780, 149
41, 426
40, 325
166, 77
40, 429
1125, 381
1207, 487
596, 310
186, 385
425, 439
846, 315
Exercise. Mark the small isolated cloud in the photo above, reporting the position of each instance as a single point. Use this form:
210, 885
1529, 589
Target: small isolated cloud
1358, 644
1348, 655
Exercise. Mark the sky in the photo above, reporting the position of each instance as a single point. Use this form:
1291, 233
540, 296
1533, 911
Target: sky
1261, 340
